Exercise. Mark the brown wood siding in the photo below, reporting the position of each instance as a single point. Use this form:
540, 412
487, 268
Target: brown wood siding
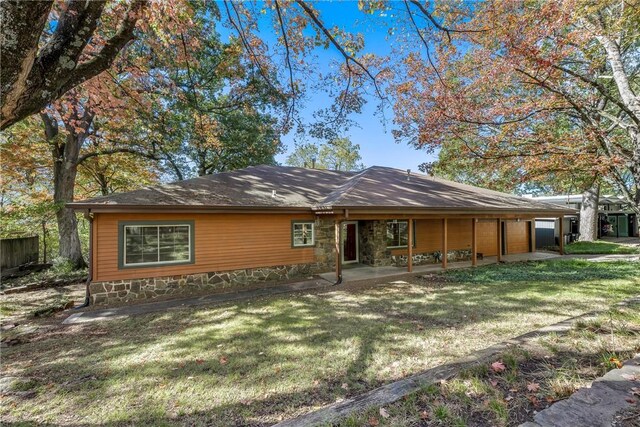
459, 236
222, 242
487, 238
429, 236
518, 237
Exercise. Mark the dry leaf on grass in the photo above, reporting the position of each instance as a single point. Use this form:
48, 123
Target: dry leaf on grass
498, 367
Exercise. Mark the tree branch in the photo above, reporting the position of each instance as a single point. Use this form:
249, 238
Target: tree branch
337, 45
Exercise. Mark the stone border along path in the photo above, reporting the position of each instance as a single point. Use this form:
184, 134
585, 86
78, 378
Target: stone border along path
597, 405
392, 392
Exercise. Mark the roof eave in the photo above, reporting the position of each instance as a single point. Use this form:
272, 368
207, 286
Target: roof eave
79, 206
466, 210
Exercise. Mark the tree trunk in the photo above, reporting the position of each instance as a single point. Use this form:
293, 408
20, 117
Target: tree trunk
589, 213
64, 177
65, 168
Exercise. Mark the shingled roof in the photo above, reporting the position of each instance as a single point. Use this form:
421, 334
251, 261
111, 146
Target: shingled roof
315, 189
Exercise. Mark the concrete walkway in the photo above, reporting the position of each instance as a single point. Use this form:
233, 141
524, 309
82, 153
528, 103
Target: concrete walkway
597, 405
364, 272
214, 299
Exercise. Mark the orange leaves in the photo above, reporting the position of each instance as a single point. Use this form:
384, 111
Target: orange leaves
616, 362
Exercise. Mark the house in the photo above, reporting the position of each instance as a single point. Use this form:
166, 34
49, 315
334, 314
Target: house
274, 223
615, 218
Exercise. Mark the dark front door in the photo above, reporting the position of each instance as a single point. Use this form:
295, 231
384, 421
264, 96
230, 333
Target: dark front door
350, 242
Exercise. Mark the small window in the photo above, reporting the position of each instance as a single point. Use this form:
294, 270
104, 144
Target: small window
146, 244
303, 234
398, 233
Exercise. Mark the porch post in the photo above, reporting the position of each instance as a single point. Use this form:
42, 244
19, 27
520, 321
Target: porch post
338, 233
445, 251
410, 241
499, 234
561, 232
532, 233
474, 242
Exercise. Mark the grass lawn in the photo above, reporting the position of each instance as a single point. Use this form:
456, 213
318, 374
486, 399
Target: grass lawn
257, 362
526, 379
600, 247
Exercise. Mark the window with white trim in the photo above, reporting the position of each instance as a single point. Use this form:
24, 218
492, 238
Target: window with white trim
398, 233
303, 234
156, 244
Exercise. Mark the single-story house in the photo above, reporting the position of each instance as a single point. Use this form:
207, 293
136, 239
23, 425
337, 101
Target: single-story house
275, 223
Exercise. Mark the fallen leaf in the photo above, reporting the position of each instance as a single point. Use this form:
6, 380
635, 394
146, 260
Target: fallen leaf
533, 387
384, 413
223, 360
513, 390
345, 386
508, 398
498, 367
494, 382
630, 400
616, 362
199, 361
630, 377
424, 415
373, 421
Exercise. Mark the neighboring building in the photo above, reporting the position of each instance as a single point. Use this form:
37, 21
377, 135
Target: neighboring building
614, 218
273, 223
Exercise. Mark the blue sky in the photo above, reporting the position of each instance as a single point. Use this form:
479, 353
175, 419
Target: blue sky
377, 146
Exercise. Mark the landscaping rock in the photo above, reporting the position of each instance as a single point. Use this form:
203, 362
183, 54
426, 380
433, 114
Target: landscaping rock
598, 405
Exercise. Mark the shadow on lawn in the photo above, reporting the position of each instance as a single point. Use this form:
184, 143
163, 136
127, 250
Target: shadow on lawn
245, 362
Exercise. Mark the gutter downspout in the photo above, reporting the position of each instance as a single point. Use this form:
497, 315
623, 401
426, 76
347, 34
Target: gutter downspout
87, 296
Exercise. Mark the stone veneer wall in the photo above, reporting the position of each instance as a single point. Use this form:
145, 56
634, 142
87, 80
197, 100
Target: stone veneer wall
325, 243
137, 289
373, 243
429, 258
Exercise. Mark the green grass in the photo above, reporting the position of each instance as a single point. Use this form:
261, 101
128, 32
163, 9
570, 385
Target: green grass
535, 377
260, 361
600, 247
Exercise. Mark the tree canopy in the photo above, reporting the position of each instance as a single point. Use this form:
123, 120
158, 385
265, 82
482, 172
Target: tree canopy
339, 154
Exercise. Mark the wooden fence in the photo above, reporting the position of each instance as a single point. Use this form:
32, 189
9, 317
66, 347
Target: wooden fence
15, 252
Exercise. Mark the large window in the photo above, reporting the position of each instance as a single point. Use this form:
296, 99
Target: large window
398, 233
156, 244
302, 234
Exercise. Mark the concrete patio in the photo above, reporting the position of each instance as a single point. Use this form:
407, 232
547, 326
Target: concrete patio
357, 272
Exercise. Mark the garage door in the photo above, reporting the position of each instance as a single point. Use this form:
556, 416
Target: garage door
518, 237
487, 238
